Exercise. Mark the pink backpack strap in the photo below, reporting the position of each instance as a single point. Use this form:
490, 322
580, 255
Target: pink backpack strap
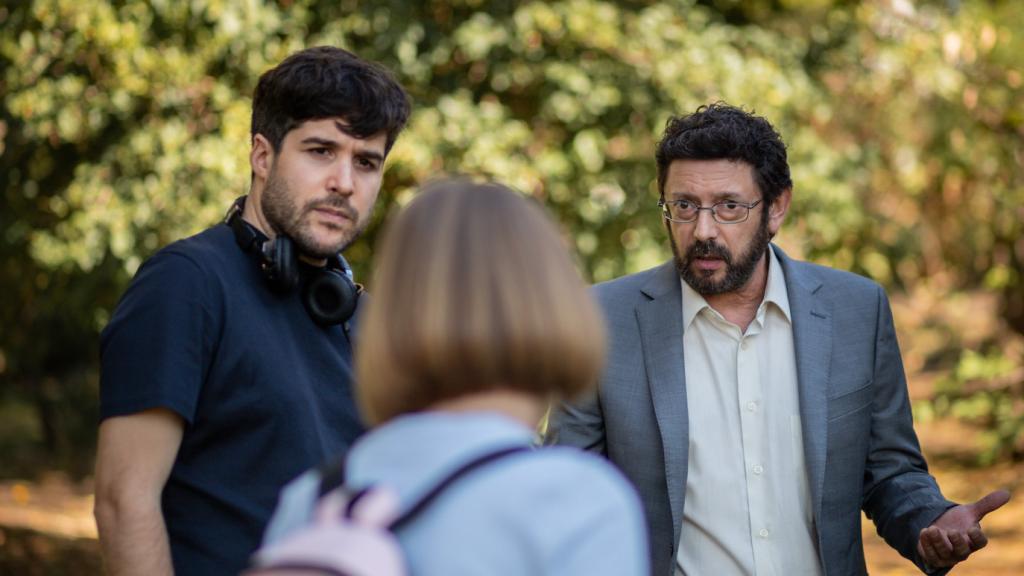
360, 545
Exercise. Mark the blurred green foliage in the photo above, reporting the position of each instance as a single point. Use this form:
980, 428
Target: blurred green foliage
124, 125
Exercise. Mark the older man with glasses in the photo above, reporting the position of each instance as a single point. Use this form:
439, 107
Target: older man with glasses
758, 403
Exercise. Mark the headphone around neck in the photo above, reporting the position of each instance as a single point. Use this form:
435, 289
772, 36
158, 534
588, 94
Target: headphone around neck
329, 294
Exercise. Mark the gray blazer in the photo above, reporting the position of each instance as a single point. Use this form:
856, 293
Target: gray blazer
859, 441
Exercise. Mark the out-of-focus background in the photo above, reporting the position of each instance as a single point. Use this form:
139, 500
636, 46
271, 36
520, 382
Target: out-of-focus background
124, 125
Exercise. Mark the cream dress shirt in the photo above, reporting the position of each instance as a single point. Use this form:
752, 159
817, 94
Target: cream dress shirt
748, 503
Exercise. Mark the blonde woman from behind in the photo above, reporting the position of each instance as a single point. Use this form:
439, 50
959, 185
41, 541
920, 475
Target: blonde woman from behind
478, 321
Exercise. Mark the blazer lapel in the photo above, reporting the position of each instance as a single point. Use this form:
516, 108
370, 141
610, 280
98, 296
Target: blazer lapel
660, 320
812, 338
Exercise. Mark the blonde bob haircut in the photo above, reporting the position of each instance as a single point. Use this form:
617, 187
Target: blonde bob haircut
474, 291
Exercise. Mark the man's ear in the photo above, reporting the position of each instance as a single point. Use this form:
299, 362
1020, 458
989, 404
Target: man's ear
261, 157
777, 210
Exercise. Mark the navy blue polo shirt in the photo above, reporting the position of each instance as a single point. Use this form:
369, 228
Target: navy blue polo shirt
264, 391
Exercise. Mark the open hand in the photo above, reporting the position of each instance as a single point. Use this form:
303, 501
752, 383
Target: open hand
957, 533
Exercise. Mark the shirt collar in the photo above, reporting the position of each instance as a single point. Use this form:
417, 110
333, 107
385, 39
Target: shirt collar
693, 304
775, 293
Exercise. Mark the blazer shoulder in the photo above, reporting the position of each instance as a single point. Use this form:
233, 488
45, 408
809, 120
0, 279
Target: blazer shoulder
840, 283
632, 284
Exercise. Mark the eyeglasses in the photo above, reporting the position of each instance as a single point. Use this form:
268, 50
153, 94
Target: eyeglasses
724, 212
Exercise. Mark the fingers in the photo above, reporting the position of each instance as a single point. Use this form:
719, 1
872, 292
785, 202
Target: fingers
937, 549
961, 545
941, 549
977, 537
957, 533
989, 503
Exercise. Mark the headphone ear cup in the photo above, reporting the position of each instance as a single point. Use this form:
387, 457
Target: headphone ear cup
279, 263
330, 297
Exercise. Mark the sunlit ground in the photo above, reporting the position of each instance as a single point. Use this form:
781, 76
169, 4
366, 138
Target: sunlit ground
47, 528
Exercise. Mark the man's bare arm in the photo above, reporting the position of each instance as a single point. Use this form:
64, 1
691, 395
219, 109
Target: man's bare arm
134, 458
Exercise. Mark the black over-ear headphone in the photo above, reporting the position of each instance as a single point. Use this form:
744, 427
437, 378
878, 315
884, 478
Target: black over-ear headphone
330, 295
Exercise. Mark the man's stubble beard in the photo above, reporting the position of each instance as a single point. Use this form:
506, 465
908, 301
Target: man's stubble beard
287, 219
736, 275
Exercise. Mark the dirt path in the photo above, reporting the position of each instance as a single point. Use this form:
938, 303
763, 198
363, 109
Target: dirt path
46, 528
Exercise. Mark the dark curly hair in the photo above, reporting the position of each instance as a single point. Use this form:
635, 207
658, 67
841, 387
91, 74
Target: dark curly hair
720, 131
328, 82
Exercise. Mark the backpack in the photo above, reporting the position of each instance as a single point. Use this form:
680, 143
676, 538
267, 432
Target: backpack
353, 532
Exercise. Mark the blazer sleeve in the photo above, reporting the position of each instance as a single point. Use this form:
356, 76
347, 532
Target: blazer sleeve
579, 423
899, 495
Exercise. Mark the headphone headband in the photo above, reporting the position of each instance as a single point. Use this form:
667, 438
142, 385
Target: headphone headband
246, 235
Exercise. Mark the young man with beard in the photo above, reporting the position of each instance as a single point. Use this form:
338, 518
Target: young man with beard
758, 403
226, 367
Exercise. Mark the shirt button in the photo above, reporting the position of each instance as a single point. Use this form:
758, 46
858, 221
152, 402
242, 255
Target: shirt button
751, 406
763, 533
758, 469
744, 345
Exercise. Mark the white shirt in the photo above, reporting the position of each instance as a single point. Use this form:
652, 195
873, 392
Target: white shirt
748, 503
